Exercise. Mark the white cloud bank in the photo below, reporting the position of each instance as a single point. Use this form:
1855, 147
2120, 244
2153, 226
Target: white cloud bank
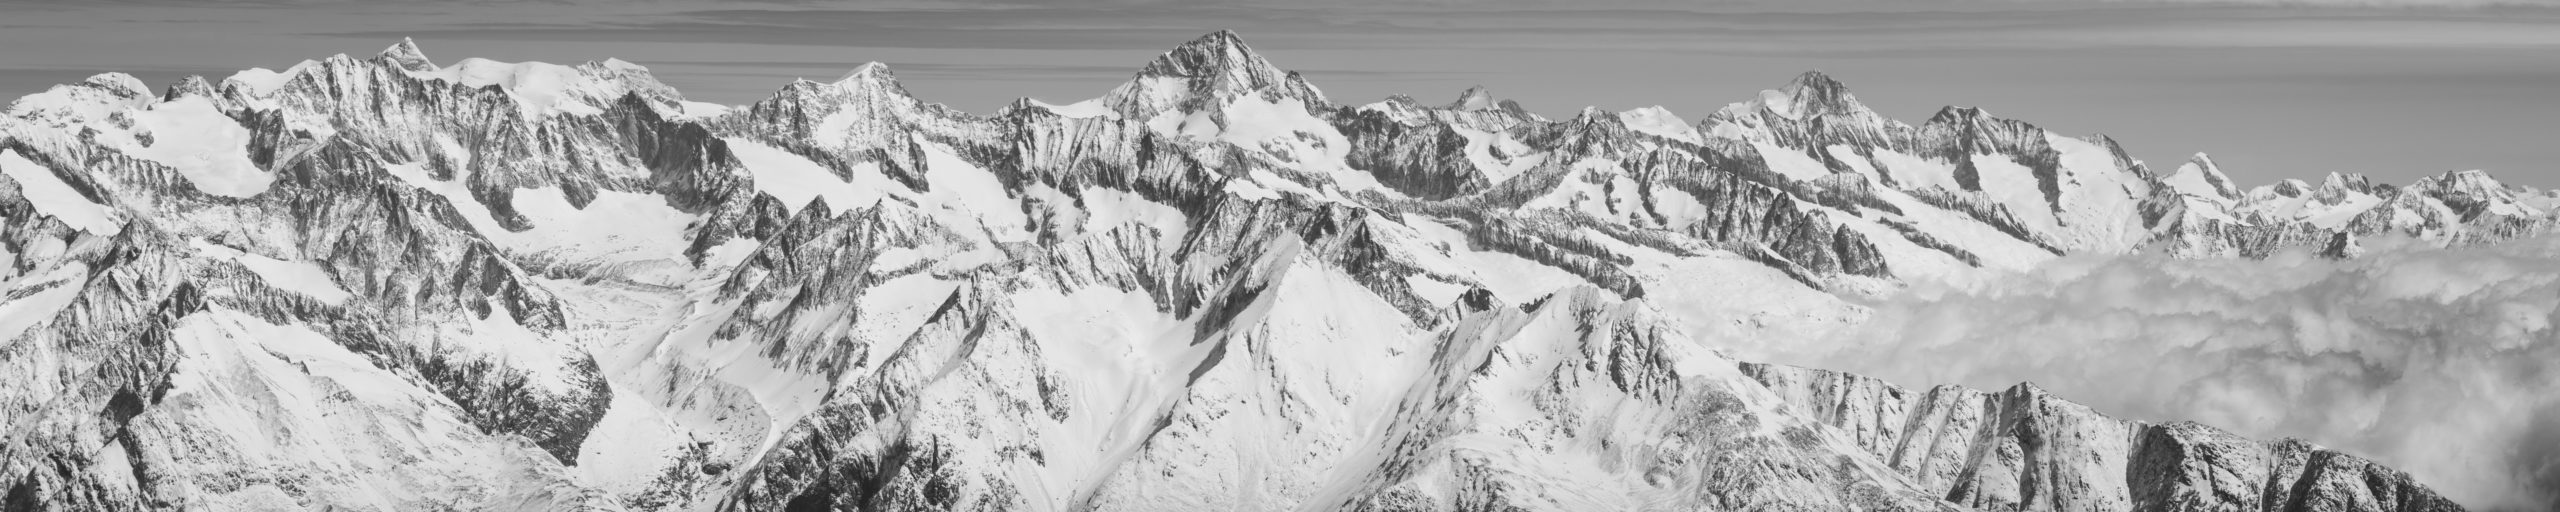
2441, 362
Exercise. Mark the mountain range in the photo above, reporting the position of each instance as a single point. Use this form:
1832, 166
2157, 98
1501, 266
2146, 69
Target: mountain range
387, 284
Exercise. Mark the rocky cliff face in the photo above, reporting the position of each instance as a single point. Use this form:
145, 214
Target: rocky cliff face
384, 284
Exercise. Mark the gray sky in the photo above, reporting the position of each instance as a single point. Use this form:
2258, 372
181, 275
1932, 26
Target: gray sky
2282, 89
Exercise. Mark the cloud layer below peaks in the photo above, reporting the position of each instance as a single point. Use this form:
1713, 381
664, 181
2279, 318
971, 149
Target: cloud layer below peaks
2441, 362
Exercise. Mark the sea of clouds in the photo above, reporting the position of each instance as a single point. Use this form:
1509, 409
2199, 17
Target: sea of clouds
2440, 362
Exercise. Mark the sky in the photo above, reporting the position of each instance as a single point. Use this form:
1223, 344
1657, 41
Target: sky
2396, 89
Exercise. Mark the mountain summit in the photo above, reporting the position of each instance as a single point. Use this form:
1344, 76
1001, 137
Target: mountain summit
385, 285
1815, 94
1204, 73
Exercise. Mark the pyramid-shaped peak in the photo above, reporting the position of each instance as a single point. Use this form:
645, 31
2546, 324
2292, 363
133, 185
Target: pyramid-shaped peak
2204, 163
1220, 40
1812, 94
1476, 98
1208, 72
1219, 54
191, 85
1956, 114
2346, 181
2290, 187
1817, 81
2201, 177
872, 72
406, 55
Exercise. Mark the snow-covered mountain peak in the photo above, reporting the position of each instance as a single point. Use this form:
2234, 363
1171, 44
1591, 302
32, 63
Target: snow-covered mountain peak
619, 65
91, 100
2287, 187
1810, 107
2469, 182
2200, 177
1812, 94
407, 57
192, 85
1660, 122
869, 74
1474, 99
118, 83
2345, 182
868, 88
2474, 193
1220, 54
1959, 115
1207, 73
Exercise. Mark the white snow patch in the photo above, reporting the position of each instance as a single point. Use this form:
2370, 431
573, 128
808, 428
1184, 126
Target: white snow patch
1437, 292
56, 199
1913, 172
701, 110
296, 276
2101, 203
1086, 109
499, 336
1678, 208
969, 195
1857, 163
1661, 123
1107, 208
1793, 164
274, 403
1480, 150
1126, 361
631, 446
1284, 131
263, 81
1780, 103
616, 226
795, 180
24, 312
1247, 189
1510, 277
2336, 216
453, 191
2015, 186
2191, 179
207, 147
893, 310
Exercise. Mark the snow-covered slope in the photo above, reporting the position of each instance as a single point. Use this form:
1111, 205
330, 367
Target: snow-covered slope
386, 284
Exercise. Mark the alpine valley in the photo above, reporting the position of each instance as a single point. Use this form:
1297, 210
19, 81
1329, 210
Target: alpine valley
387, 284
